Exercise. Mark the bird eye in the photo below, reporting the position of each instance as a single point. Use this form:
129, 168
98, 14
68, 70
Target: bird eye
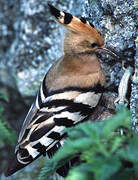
94, 45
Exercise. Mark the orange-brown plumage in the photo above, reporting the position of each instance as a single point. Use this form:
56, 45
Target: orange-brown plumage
75, 70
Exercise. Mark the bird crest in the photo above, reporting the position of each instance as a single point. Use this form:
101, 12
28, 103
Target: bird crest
77, 25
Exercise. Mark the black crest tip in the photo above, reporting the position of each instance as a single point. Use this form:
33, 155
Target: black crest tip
68, 18
55, 12
91, 25
83, 20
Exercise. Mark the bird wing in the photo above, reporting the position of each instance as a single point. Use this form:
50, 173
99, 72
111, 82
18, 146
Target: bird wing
49, 115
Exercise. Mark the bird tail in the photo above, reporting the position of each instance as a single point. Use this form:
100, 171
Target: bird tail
14, 165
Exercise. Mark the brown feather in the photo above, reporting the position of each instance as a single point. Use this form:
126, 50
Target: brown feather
80, 71
86, 30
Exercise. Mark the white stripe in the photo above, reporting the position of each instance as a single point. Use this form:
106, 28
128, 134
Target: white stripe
79, 119
34, 121
62, 13
19, 159
27, 114
22, 158
45, 141
49, 98
55, 109
89, 98
42, 94
65, 95
52, 145
33, 152
45, 123
36, 102
30, 132
73, 116
62, 141
62, 17
56, 129
76, 19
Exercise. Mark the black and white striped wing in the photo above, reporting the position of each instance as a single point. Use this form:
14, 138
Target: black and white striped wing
49, 115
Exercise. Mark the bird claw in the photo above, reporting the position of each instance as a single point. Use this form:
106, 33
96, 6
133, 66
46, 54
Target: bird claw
121, 100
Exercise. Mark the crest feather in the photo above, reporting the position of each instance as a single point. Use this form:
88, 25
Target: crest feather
75, 24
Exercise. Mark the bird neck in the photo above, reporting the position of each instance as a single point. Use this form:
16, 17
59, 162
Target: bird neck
82, 63
86, 66
75, 70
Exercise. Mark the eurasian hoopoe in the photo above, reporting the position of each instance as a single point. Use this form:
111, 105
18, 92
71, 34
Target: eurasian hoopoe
69, 93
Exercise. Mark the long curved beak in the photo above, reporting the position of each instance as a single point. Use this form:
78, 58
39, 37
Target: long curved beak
111, 52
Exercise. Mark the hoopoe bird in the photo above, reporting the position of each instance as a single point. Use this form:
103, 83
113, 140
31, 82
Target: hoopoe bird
68, 95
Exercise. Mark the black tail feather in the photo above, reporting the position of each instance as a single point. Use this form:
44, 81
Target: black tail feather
14, 166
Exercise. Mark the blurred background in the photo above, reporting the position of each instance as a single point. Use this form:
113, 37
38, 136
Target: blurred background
30, 41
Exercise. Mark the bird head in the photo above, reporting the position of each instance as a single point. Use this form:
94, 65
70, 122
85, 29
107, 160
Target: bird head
82, 36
